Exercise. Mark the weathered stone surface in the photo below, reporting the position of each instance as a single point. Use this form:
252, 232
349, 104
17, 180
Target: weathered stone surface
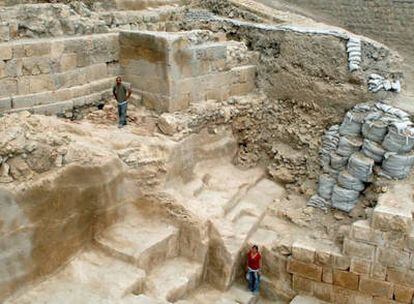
345, 279
375, 287
305, 270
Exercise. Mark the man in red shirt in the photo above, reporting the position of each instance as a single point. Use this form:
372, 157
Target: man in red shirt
254, 263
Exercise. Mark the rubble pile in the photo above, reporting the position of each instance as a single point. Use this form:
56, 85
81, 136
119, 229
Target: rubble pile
373, 140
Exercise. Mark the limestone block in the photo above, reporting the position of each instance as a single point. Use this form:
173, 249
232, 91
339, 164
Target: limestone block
358, 249
2, 69
378, 271
375, 288
361, 231
393, 257
306, 270
323, 291
391, 215
5, 104
14, 68
303, 251
302, 285
54, 108
6, 52
360, 266
341, 261
345, 279
96, 71
397, 275
37, 65
37, 49
40, 83
327, 275
8, 87
403, 294
68, 62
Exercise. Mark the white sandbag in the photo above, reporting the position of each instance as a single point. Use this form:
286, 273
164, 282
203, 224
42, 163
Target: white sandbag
400, 138
398, 166
330, 141
325, 186
344, 199
347, 181
373, 150
352, 124
331, 171
348, 145
375, 130
361, 166
318, 202
338, 162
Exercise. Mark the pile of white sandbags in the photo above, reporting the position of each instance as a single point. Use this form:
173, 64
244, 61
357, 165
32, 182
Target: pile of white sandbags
370, 135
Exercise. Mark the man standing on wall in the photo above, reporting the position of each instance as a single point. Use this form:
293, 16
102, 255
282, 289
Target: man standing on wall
121, 94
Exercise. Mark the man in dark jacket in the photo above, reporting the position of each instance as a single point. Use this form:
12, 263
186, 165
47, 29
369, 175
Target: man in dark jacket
121, 94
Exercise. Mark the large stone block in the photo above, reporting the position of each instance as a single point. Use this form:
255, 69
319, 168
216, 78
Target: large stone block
376, 288
5, 104
403, 294
362, 231
345, 279
6, 52
303, 251
302, 285
391, 214
306, 270
360, 266
358, 249
393, 257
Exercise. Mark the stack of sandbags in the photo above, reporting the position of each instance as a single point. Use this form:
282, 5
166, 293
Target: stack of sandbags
370, 135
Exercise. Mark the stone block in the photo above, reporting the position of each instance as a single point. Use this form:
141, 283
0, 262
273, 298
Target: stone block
360, 266
389, 218
324, 256
358, 249
37, 49
306, 270
375, 288
397, 275
302, 285
361, 231
40, 83
6, 52
341, 261
410, 240
345, 279
5, 104
2, 69
323, 291
378, 271
37, 66
8, 87
54, 108
14, 68
327, 275
303, 251
346, 296
68, 62
403, 294
393, 257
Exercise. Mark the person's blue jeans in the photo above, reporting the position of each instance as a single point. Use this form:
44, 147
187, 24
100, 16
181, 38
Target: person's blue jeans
122, 113
254, 280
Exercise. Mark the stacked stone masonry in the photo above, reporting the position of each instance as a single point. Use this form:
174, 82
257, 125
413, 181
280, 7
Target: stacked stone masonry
182, 68
51, 75
375, 265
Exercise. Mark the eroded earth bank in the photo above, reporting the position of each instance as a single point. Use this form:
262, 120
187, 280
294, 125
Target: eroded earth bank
248, 125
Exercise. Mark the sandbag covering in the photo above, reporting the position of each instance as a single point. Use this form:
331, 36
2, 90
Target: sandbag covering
370, 135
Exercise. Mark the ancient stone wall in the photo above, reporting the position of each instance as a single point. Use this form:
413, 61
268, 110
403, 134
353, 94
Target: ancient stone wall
388, 21
181, 68
62, 71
